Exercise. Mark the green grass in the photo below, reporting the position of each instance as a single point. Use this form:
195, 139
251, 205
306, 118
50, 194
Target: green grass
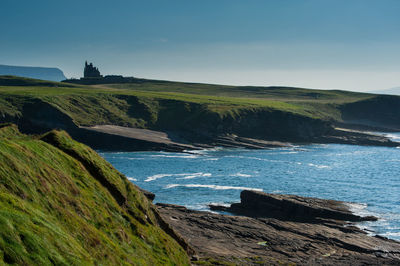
150, 103
139, 105
271, 93
61, 203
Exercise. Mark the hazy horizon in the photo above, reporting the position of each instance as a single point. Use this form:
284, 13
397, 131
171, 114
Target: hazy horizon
350, 45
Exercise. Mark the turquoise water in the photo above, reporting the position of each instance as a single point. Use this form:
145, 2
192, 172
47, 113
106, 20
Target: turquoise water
367, 176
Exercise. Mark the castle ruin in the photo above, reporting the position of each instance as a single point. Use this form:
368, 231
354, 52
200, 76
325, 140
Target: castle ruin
91, 71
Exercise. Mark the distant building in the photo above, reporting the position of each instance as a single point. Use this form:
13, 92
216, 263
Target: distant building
91, 76
91, 71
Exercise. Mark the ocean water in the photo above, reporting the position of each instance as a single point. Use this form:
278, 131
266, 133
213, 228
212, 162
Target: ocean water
369, 177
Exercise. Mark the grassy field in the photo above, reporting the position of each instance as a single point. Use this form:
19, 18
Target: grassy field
102, 104
62, 204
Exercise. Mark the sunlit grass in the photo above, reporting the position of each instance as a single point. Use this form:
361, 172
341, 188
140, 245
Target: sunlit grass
57, 207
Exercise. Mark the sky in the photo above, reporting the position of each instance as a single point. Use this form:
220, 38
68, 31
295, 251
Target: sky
322, 44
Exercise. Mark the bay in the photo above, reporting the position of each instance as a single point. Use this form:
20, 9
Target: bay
367, 176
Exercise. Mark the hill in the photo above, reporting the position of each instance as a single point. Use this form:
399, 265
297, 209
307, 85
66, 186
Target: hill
195, 113
45, 73
63, 204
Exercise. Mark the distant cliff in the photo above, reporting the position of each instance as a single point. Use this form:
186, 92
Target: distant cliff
44, 73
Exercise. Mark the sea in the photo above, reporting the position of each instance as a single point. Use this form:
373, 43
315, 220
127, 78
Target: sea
367, 177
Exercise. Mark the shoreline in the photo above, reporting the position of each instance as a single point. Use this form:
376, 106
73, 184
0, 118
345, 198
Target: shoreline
303, 232
118, 138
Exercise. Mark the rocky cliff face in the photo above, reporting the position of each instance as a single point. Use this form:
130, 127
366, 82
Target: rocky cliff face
380, 111
185, 122
61, 203
196, 120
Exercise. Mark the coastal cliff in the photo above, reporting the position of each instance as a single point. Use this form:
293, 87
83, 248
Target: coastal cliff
61, 203
45, 73
110, 118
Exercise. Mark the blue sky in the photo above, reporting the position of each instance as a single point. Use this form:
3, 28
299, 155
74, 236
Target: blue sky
352, 44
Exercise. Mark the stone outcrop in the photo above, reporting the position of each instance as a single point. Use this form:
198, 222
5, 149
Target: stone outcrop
281, 230
291, 207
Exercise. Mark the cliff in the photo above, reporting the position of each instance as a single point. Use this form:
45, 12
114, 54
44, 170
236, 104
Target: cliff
61, 203
201, 116
44, 73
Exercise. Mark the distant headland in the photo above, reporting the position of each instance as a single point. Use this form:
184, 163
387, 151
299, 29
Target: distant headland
44, 73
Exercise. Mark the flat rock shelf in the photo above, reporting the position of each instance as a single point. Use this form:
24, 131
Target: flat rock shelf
295, 230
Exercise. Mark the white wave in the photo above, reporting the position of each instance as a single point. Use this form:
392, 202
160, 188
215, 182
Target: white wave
131, 178
194, 175
394, 137
216, 187
241, 175
319, 166
155, 177
203, 151
360, 209
112, 152
393, 228
356, 207
184, 156
211, 159
224, 204
186, 176
256, 158
391, 234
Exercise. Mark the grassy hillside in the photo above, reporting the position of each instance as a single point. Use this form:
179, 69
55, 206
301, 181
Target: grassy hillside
61, 203
88, 105
163, 105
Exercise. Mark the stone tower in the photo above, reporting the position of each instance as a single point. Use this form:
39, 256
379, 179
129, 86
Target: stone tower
91, 71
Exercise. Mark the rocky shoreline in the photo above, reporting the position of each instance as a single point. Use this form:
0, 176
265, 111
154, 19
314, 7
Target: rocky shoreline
280, 229
110, 137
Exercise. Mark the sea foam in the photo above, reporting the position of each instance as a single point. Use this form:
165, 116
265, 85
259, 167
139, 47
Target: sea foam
216, 187
185, 176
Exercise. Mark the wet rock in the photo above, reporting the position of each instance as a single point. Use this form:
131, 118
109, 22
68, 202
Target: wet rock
291, 207
258, 240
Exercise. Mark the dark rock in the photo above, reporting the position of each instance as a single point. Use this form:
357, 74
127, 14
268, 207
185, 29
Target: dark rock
291, 207
240, 240
214, 207
148, 194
